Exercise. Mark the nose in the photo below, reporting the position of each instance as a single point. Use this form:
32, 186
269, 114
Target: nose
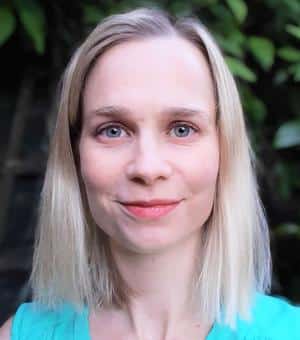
148, 162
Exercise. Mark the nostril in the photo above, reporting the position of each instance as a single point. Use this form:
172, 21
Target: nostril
148, 170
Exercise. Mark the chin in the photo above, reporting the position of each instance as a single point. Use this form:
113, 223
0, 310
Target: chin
150, 241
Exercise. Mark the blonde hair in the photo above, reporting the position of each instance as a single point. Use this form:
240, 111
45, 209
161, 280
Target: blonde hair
72, 261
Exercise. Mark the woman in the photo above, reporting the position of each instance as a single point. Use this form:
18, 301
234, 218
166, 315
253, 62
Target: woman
151, 232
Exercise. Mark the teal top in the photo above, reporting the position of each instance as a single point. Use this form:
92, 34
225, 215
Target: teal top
274, 318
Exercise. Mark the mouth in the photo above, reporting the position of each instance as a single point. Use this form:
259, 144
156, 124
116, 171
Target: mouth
150, 212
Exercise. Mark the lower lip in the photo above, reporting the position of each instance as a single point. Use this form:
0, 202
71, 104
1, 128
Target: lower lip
150, 212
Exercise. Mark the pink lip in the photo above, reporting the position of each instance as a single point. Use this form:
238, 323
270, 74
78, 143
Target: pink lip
152, 202
154, 211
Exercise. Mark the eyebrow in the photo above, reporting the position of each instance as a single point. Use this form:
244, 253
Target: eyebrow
119, 111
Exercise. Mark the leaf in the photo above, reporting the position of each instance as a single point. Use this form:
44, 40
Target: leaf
293, 30
232, 43
289, 53
286, 229
205, 3
238, 68
224, 18
229, 46
32, 17
258, 110
238, 8
92, 14
282, 179
254, 107
181, 7
287, 135
263, 50
297, 72
294, 69
8, 24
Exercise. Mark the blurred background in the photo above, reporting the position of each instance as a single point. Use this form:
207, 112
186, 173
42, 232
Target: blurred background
261, 42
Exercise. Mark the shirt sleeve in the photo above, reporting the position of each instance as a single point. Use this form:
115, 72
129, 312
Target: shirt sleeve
33, 322
274, 318
17, 320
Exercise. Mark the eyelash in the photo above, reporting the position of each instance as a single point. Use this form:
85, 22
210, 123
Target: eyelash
176, 124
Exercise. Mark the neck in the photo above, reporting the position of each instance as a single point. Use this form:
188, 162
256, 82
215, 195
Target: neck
163, 281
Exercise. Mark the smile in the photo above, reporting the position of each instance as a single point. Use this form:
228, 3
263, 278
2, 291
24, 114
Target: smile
150, 212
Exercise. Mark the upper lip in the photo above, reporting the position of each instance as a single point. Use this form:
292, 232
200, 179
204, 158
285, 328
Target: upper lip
153, 202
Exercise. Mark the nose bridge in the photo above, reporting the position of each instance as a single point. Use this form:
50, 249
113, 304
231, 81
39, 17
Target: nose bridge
148, 159
148, 151
148, 144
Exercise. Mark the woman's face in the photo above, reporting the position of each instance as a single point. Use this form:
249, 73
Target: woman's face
149, 133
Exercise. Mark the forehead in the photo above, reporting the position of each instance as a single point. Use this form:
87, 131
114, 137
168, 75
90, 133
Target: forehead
153, 71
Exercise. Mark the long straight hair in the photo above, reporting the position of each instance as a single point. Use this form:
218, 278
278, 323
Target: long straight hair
72, 260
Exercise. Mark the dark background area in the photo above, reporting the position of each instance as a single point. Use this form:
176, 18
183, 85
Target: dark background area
261, 42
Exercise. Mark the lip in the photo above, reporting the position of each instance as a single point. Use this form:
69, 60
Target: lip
150, 211
152, 203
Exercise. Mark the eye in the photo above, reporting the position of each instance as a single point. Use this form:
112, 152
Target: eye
113, 128
183, 129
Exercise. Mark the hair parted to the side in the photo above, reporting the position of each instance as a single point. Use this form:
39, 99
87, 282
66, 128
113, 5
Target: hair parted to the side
72, 261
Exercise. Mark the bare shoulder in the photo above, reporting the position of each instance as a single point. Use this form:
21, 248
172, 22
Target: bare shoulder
5, 330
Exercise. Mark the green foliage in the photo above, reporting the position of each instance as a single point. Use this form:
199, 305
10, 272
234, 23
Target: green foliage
263, 50
92, 14
294, 70
180, 7
288, 135
8, 24
32, 17
232, 43
286, 176
293, 30
238, 8
288, 229
254, 106
289, 53
238, 68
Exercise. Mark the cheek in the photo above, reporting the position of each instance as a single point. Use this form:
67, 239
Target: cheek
100, 173
206, 172
202, 172
201, 180
98, 170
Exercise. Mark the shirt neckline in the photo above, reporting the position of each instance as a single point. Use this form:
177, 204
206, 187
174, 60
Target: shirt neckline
210, 336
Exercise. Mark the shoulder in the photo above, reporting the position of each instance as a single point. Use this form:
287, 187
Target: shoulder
5, 330
270, 309
273, 317
34, 321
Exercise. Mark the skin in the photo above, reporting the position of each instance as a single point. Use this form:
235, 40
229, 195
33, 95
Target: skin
148, 156
5, 330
